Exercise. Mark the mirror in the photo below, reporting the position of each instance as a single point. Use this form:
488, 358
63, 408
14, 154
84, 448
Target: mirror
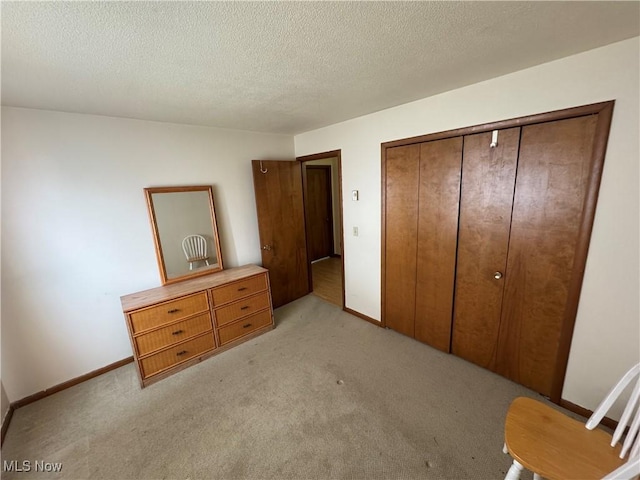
185, 232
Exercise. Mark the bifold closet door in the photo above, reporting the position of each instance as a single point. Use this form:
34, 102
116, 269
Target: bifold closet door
439, 194
553, 180
518, 247
488, 182
402, 169
422, 189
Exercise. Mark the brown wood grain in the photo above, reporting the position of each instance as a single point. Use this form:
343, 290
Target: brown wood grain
582, 110
439, 193
363, 317
160, 356
145, 298
586, 413
168, 312
238, 289
177, 354
280, 208
582, 247
319, 211
562, 340
174, 333
204, 356
327, 280
6, 421
556, 446
70, 383
242, 308
551, 187
244, 326
401, 231
488, 181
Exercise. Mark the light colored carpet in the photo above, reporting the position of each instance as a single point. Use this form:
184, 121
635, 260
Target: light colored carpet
324, 395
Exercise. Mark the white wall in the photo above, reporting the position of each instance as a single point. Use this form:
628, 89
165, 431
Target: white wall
607, 332
76, 234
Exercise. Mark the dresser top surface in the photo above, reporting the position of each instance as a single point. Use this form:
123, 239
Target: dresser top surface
145, 298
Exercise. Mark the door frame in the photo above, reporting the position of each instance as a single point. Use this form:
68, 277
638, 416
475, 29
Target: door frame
605, 112
322, 156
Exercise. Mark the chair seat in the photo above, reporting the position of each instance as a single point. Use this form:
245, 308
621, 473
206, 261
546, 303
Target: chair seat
556, 446
197, 259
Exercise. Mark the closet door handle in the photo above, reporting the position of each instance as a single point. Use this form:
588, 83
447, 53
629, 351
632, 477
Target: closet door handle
497, 275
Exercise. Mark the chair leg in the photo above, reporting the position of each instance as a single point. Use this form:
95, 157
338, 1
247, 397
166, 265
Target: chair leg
514, 471
504, 448
536, 476
207, 262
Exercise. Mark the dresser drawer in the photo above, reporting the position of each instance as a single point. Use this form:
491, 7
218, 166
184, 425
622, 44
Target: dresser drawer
147, 318
241, 308
174, 333
244, 326
239, 289
181, 352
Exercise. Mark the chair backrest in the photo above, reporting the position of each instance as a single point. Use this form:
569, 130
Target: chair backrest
630, 469
630, 415
194, 247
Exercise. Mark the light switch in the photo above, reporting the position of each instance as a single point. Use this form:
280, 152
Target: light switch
354, 195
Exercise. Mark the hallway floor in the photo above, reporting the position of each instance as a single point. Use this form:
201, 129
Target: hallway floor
327, 279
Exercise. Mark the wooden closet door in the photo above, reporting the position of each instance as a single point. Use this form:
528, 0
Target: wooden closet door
488, 180
401, 217
440, 164
554, 170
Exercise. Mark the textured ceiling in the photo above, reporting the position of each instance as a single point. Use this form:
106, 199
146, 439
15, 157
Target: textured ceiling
284, 67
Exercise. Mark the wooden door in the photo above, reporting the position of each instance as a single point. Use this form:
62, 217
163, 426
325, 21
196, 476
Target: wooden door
488, 180
553, 181
280, 207
402, 168
439, 193
319, 211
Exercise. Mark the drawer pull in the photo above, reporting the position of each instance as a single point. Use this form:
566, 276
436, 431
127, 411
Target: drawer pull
177, 332
246, 326
244, 308
242, 289
173, 310
179, 354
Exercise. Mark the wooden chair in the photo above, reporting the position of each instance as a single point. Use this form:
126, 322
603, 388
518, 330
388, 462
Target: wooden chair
195, 249
557, 447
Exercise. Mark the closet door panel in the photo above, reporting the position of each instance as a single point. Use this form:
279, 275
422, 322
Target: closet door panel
553, 176
401, 217
488, 181
440, 164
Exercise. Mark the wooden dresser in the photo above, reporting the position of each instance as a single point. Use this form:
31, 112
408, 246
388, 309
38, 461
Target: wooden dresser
175, 326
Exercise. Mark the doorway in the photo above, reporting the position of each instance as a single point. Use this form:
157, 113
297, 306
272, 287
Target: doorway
321, 175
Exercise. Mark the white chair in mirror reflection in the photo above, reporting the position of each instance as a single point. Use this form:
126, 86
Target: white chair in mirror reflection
555, 446
195, 249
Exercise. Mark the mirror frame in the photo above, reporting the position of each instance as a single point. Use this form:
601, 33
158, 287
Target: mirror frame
156, 236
